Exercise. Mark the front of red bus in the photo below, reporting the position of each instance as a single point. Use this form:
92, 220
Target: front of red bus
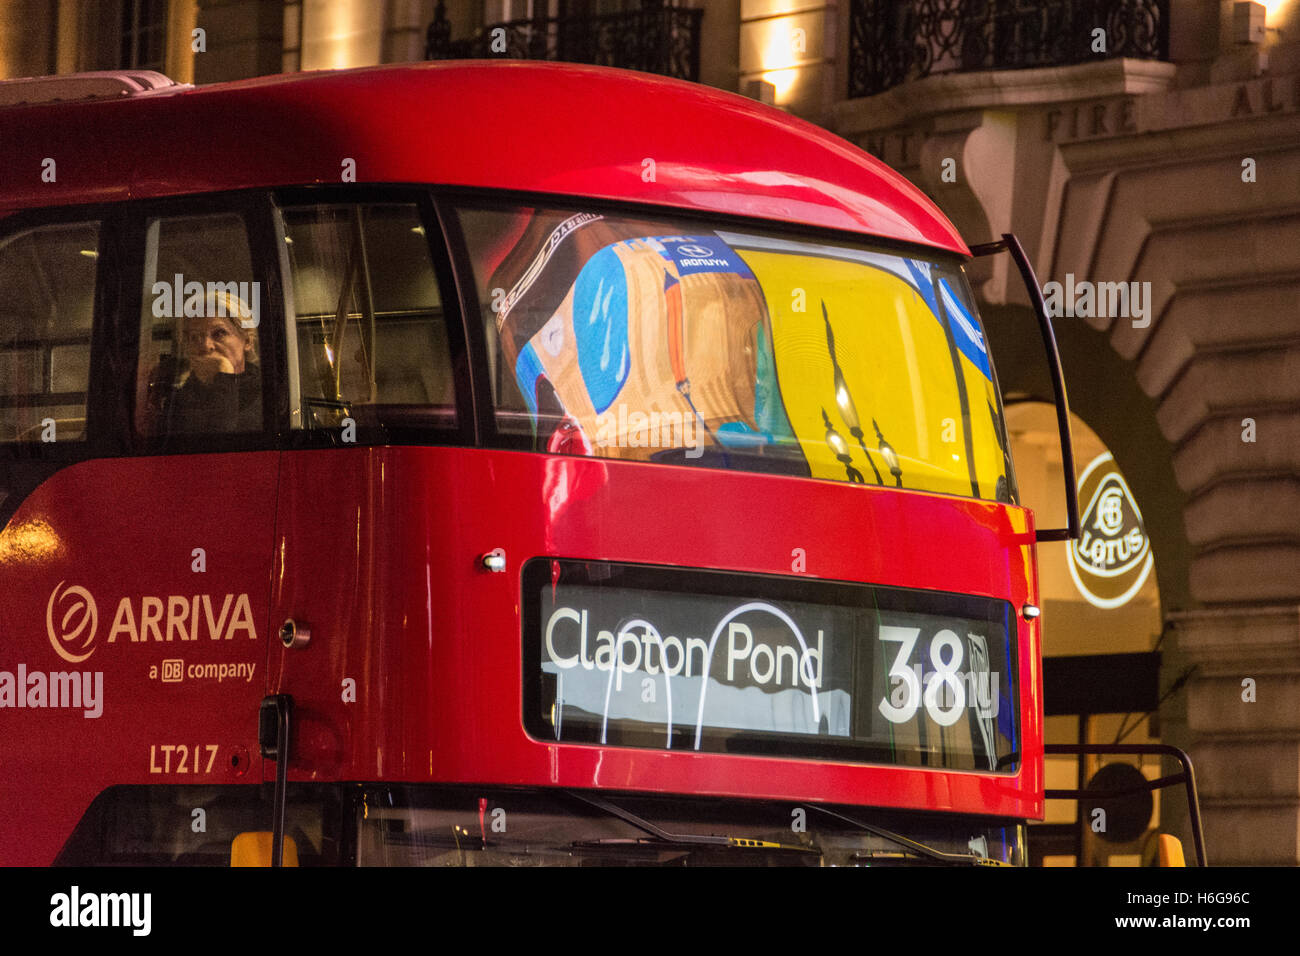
739, 578
734, 571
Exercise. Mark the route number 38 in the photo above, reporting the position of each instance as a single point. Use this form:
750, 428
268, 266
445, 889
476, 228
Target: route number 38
945, 675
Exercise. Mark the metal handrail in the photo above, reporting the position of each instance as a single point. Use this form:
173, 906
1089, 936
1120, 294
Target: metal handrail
1187, 778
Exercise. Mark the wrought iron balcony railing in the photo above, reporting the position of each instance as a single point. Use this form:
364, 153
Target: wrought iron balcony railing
654, 39
894, 41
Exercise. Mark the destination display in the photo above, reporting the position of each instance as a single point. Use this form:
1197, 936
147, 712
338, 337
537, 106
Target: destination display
679, 660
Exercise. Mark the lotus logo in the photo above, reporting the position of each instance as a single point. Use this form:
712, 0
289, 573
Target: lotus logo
77, 620
1113, 559
1110, 509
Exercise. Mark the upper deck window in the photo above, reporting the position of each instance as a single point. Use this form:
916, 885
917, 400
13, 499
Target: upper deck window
661, 340
370, 335
48, 277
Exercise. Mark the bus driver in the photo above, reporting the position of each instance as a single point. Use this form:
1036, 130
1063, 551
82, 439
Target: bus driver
223, 391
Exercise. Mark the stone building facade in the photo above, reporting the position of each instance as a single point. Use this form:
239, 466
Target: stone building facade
1184, 174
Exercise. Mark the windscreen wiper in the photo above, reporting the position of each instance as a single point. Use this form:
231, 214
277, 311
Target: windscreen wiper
664, 837
919, 849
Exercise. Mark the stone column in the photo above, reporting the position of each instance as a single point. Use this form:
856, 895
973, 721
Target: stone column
1243, 711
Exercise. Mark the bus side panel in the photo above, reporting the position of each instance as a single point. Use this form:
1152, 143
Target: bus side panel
133, 636
414, 670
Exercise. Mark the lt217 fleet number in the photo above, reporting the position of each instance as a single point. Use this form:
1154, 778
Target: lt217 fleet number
181, 758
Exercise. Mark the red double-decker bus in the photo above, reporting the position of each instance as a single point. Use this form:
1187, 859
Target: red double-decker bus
473, 464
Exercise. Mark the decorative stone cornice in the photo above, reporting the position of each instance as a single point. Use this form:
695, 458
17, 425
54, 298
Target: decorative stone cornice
950, 92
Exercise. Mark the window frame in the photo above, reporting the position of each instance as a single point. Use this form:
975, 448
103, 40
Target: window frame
135, 31
253, 207
97, 436
31, 221
24, 466
465, 432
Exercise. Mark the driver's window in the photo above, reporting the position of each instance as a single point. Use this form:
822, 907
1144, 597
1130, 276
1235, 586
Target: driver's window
199, 371
369, 332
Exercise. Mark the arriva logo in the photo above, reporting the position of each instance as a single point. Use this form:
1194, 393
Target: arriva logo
77, 615
71, 616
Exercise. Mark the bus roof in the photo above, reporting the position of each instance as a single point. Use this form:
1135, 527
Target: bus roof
520, 125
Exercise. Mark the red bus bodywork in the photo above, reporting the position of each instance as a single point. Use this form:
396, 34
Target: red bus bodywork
378, 547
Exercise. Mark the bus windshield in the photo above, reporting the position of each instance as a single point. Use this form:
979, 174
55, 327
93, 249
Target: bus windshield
655, 340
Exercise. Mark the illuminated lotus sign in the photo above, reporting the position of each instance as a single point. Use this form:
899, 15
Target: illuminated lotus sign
1112, 559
